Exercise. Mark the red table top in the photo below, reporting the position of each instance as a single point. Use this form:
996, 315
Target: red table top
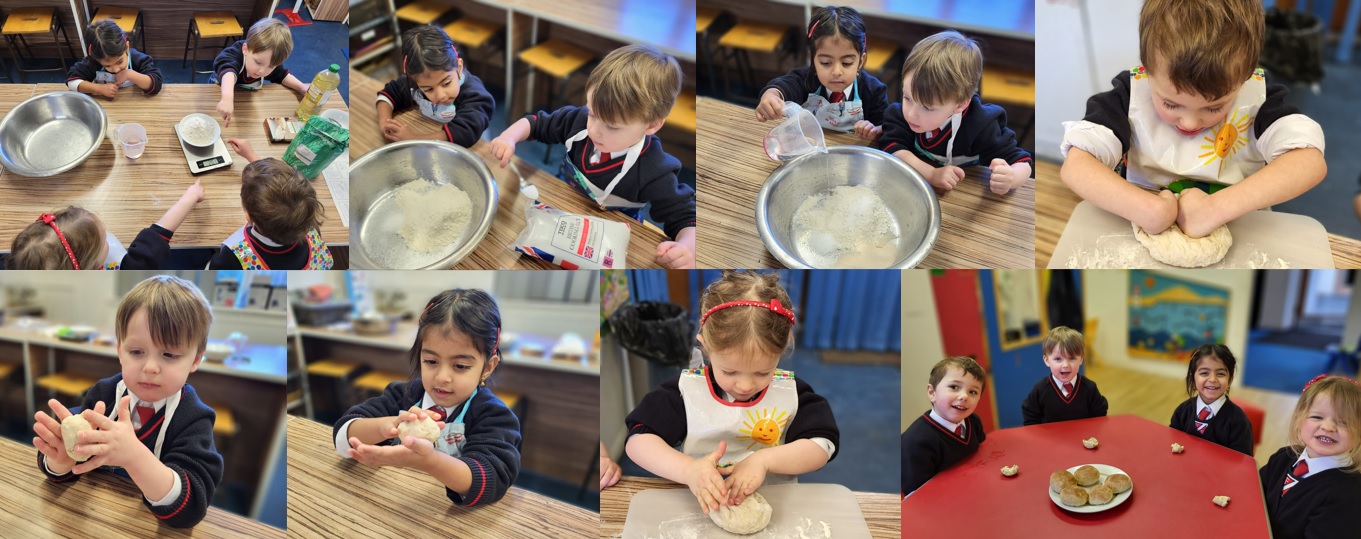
1172, 492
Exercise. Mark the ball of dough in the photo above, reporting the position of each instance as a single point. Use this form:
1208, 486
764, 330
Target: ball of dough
1221, 500
71, 428
1060, 480
1090, 443
748, 517
420, 428
1087, 475
1073, 496
1119, 483
1174, 247
1100, 495
1178, 448
1010, 470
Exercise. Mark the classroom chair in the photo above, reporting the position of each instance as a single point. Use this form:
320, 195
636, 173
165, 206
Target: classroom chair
475, 38
883, 61
710, 21
224, 427
1256, 416
26, 22
740, 41
209, 25
66, 383
128, 19
423, 12
338, 371
562, 61
1013, 87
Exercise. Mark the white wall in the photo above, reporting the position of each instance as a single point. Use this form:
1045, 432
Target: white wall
1104, 296
1352, 329
1280, 296
921, 346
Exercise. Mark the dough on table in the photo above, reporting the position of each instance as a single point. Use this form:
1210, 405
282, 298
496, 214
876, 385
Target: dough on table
1221, 501
1174, 247
1090, 443
1100, 495
1010, 470
1178, 448
748, 517
71, 427
1061, 479
1087, 475
420, 428
1119, 483
1073, 496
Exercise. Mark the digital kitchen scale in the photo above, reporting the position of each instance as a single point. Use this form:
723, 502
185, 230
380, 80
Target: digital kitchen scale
204, 159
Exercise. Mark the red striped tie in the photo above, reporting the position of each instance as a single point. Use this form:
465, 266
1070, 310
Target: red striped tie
838, 96
436, 413
144, 413
1068, 388
1295, 476
959, 430
1200, 419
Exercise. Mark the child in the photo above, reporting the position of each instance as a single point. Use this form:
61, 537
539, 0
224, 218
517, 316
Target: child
1065, 394
282, 216
1209, 413
166, 446
434, 81
1312, 485
941, 105
477, 456
738, 415
254, 60
620, 163
836, 88
950, 432
609, 471
1197, 118
112, 64
74, 238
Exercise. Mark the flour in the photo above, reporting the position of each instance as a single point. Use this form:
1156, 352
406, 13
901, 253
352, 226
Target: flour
850, 227
434, 215
698, 526
1122, 251
196, 131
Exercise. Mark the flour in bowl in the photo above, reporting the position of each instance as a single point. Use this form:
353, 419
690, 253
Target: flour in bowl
434, 215
196, 131
848, 228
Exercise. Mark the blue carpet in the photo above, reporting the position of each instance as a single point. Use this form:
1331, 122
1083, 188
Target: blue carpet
559, 490
1281, 368
1331, 201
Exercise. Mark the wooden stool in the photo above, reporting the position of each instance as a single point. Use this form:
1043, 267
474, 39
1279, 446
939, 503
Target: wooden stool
7, 369
1012, 87
225, 425
36, 21
878, 60
378, 381
560, 59
748, 37
422, 12
683, 112
210, 25
340, 370
128, 19
517, 403
472, 35
707, 20
67, 383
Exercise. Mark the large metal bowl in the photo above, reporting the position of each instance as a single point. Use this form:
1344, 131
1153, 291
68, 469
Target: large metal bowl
375, 216
51, 133
909, 198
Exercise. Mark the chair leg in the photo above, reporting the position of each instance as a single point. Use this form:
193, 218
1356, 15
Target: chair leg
593, 466
193, 59
187, 34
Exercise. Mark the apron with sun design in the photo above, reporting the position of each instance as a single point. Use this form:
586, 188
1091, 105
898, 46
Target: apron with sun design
1159, 155
746, 426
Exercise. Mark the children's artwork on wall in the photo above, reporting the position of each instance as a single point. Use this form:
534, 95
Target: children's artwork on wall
1169, 316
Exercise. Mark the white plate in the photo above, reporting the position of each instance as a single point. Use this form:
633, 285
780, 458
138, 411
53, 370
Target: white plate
339, 116
1105, 472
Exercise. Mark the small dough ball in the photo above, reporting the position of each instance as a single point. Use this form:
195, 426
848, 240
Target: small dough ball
420, 428
71, 428
1087, 475
1178, 448
1119, 483
1073, 496
1221, 501
1100, 495
1060, 480
748, 517
1010, 470
1174, 247
1090, 443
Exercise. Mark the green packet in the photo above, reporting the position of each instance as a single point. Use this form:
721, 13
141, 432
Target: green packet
321, 141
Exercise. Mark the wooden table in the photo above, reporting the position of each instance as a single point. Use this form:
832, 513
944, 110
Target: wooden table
131, 194
880, 510
99, 504
1056, 202
496, 251
13, 94
979, 229
333, 497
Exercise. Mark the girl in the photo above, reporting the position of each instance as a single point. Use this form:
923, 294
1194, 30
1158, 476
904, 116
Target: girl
478, 454
835, 88
1312, 485
1209, 414
111, 64
737, 415
74, 238
434, 80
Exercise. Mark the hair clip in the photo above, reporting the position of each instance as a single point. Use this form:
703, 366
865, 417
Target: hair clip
51, 220
1322, 376
774, 307
814, 27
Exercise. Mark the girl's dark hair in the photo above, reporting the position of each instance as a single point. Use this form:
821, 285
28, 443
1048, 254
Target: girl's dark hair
428, 48
832, 21
1217, 351
107, 40
468, 311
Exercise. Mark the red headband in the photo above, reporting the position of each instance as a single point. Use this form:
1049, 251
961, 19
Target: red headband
774, 307
51, 220
1322, 376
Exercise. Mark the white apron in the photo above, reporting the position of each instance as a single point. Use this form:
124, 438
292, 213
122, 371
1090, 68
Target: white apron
451, 438
949, 158
171, 404
746, 426
840, 116
116, 251
602, 197
439, 113
104, 77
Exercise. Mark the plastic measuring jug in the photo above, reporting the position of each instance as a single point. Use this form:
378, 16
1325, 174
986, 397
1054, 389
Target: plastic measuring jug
798, 134
133, 138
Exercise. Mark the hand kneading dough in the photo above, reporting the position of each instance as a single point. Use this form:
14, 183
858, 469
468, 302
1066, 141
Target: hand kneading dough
1100, 495
748, 517
1174, 247
421, 428
1087, 475
71, 428
1061, 479
1119, 483
1073, 496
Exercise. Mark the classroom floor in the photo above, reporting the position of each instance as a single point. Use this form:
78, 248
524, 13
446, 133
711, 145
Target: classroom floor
1331, 201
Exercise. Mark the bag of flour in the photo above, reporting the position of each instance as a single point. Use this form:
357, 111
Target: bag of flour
572, 241
321, 141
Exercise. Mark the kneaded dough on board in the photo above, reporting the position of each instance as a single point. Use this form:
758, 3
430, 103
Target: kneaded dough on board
1174, 247
748, 517
420, 428
71, 427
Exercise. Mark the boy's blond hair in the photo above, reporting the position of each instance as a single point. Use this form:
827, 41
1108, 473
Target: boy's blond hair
280, 202
963, 363
1067, 339
1207, 47
37, 246
273, 36
177, 313
945, 68
1346, 401
634, 83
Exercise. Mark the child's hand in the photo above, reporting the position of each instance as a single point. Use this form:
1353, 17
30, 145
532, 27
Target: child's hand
195, 192
1165, 213
609, 471
675, 255
415, 413
413, 453
240, 146
771, 106
305, 88
49, 440
108, 89
114, 444
224, 109
1194, 213
124, 76
866, 130
502, 149
395, 130
946, 177
706, 481
1003, 178
747, 476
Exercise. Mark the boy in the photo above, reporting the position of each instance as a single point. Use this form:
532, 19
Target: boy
613, 155
1197, 118
282, 216
1064, 394
159, 433
950, 432
942, 125
254, 60
111, 64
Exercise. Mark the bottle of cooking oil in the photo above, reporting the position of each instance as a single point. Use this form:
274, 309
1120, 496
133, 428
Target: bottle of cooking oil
323, 85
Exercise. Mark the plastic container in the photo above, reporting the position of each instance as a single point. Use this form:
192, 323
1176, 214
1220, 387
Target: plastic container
798, 134
323, 85
133, 138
